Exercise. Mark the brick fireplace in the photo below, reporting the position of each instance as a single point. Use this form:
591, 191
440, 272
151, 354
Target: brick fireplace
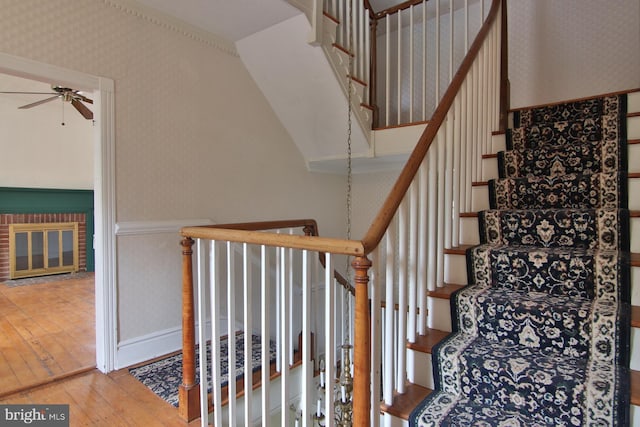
47, 206
41, 218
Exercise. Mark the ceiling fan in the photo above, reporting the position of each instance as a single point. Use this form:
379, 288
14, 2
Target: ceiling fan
73, 96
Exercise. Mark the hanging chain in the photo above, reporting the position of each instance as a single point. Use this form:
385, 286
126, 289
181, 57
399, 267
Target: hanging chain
349, 169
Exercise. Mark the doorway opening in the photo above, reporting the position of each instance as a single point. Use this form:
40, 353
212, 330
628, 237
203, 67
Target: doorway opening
102, 93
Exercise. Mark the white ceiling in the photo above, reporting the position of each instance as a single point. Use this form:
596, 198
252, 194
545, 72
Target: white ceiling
235, 19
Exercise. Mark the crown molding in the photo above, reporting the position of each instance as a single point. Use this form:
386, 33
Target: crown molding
171, 23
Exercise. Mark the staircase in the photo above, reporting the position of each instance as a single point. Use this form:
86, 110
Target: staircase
514, 239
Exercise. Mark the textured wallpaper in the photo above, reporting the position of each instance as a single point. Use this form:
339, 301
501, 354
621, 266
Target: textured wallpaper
572, 48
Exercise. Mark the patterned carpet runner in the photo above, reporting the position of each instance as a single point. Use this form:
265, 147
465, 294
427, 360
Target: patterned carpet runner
164, 376
541, 334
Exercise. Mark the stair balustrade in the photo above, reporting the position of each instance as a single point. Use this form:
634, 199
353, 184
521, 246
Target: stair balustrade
398, 261
402, 56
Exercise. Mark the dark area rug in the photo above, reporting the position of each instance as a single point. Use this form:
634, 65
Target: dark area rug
164, 376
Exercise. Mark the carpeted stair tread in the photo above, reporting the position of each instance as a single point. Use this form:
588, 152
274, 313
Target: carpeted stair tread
555, 134
507, 374
527, 319
571, 111
590, 228
573, 191
552, 160
542, 333
464, 413
572, 272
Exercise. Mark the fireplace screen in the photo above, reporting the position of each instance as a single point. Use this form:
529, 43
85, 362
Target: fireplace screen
39, 249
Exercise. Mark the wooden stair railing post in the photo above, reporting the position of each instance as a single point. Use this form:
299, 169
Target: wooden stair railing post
189, 392
362, 344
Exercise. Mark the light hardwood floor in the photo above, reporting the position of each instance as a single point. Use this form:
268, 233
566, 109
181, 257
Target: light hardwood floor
47, 355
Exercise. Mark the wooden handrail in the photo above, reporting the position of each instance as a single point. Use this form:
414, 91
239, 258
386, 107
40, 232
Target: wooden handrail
394, 9
312, 243
310, 227
385, 215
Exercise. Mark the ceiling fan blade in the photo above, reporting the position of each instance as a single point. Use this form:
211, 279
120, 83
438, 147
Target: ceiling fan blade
84, 98
31, 93
82, 109
34, 104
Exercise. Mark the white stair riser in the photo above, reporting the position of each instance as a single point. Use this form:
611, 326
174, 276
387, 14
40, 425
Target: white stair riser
479, 198
635, 234
635, 416
439, 314
635, 285
489, 168
633, 157
633, 128
469, 234
387, 420
634, 188
455, 269
633, 102
498, 143
635, 349
423, 375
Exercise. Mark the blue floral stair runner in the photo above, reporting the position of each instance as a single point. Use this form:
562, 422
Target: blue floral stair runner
541, 333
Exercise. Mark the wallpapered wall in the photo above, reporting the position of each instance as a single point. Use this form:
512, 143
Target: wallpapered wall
194, 139
572, 48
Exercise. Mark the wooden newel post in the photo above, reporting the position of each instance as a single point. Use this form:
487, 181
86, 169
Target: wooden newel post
362, 345
189, 392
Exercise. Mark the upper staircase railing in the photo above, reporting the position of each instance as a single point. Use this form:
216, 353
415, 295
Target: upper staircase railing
398, 261
402, 57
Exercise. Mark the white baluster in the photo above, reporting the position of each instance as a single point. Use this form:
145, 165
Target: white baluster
423, 253
265, 357
307, 364
399, 70
411, 53
285, 337
387, 86
402, 297
216, 326
330, 359
432, 266
247, 328
388, 375
457, 146
231, 329
201, 285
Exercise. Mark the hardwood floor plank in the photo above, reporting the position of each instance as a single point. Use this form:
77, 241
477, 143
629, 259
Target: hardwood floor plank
46, 331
